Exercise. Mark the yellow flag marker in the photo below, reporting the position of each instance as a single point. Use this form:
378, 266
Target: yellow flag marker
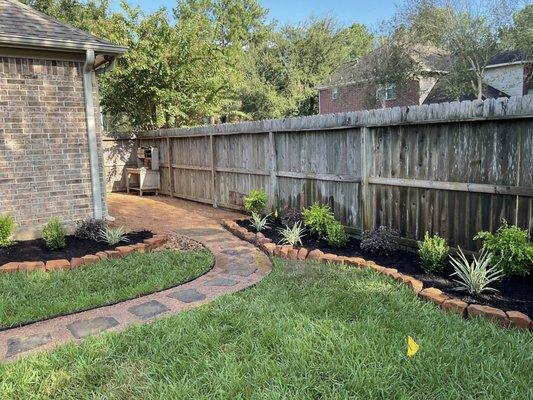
412, 347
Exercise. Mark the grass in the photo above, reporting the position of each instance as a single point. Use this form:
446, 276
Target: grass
36, 295
307, 331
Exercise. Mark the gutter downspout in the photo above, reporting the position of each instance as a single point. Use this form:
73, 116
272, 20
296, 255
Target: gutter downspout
91, 134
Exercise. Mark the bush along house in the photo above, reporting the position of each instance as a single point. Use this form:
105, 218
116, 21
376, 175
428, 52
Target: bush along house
50, 125
507, 74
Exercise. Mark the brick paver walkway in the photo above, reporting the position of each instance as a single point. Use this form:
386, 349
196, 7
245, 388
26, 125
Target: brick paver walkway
238, 265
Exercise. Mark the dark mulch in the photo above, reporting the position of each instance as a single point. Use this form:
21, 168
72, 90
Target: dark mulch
36, 250
514, 293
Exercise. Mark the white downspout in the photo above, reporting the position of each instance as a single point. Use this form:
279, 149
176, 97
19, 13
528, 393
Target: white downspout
91, 134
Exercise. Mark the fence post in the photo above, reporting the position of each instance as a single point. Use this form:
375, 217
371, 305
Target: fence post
273, 169
213, 171
366, 161
170, 170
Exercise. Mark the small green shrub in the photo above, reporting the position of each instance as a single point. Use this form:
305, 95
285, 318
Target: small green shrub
256, 201
113, 236
260, 224
382, 241
336, 235
54, 235
476, 276
317, 218
292, 236
433, 252
7, 227
510, 249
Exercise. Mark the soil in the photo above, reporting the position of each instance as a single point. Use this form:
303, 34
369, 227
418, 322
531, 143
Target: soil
36, 250
514, 293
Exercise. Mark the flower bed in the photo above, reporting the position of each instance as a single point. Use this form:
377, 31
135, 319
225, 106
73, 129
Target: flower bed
33, 254
516, 295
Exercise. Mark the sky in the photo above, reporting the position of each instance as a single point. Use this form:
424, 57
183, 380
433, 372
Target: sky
368, 12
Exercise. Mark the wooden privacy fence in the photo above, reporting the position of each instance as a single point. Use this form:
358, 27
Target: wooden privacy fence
453, 168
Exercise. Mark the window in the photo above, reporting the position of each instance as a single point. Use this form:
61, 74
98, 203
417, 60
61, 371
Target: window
386, 92
334, 94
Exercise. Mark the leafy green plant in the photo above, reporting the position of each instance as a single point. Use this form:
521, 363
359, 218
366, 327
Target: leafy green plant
259, 223
113, 236
292, 236
89, 228
476, 276
54, 235
382, 241
433, 252
256, 201
510, 248
7, 227
336, 235
317, 218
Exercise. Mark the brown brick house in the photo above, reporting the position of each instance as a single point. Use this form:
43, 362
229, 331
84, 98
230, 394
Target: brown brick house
507, 74
50, 144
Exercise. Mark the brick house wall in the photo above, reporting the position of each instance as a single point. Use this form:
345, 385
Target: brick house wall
44, 153
356, 97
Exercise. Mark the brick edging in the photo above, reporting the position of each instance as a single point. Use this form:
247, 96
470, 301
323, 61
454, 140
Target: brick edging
515, 319
152, 243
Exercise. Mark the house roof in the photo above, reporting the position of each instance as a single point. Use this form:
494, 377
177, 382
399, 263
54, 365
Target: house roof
439, 95
24, 27
428, 58
508, 57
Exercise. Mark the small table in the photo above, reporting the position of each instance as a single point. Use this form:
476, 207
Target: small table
149, 180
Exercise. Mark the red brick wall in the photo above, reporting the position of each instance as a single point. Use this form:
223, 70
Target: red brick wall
355, 98
44, 156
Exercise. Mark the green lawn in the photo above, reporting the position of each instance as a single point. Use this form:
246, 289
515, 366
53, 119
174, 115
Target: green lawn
307, 331
27, 296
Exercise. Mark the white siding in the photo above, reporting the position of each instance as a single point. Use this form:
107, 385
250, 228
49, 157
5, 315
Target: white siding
508, 79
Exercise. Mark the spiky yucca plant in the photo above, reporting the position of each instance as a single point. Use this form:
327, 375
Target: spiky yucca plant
292, 236
113, 236
259, 223
476, 276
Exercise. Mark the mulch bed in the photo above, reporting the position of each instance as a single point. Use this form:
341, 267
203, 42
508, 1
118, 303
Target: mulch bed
514, 293
36, 250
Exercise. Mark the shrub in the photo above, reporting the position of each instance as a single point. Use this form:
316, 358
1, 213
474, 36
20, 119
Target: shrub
317, 218
259, 223
89, 228
7, 227
54, 235
290, 216
292, 235
510, 248
256, 201
113, 236
433, 252
336, 235
476, 276
382, 241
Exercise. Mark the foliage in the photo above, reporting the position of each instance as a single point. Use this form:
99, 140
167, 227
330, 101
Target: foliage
25, 297
433, 252
476, 276
292, 235
298, 334
54, 235
256, 201
259, 223
382, 241
510, 249
317, 218
336, 235
113, 236
7, 227
290, 216
89, 228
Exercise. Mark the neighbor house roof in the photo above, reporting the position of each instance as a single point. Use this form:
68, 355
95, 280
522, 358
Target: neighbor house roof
24, 27
508, 57
427, 58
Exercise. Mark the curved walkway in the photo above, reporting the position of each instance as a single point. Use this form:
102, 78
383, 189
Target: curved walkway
238, 265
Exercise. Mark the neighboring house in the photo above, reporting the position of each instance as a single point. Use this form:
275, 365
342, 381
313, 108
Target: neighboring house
508, 74
50, 144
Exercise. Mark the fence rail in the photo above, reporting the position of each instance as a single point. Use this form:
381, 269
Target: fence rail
453, 168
